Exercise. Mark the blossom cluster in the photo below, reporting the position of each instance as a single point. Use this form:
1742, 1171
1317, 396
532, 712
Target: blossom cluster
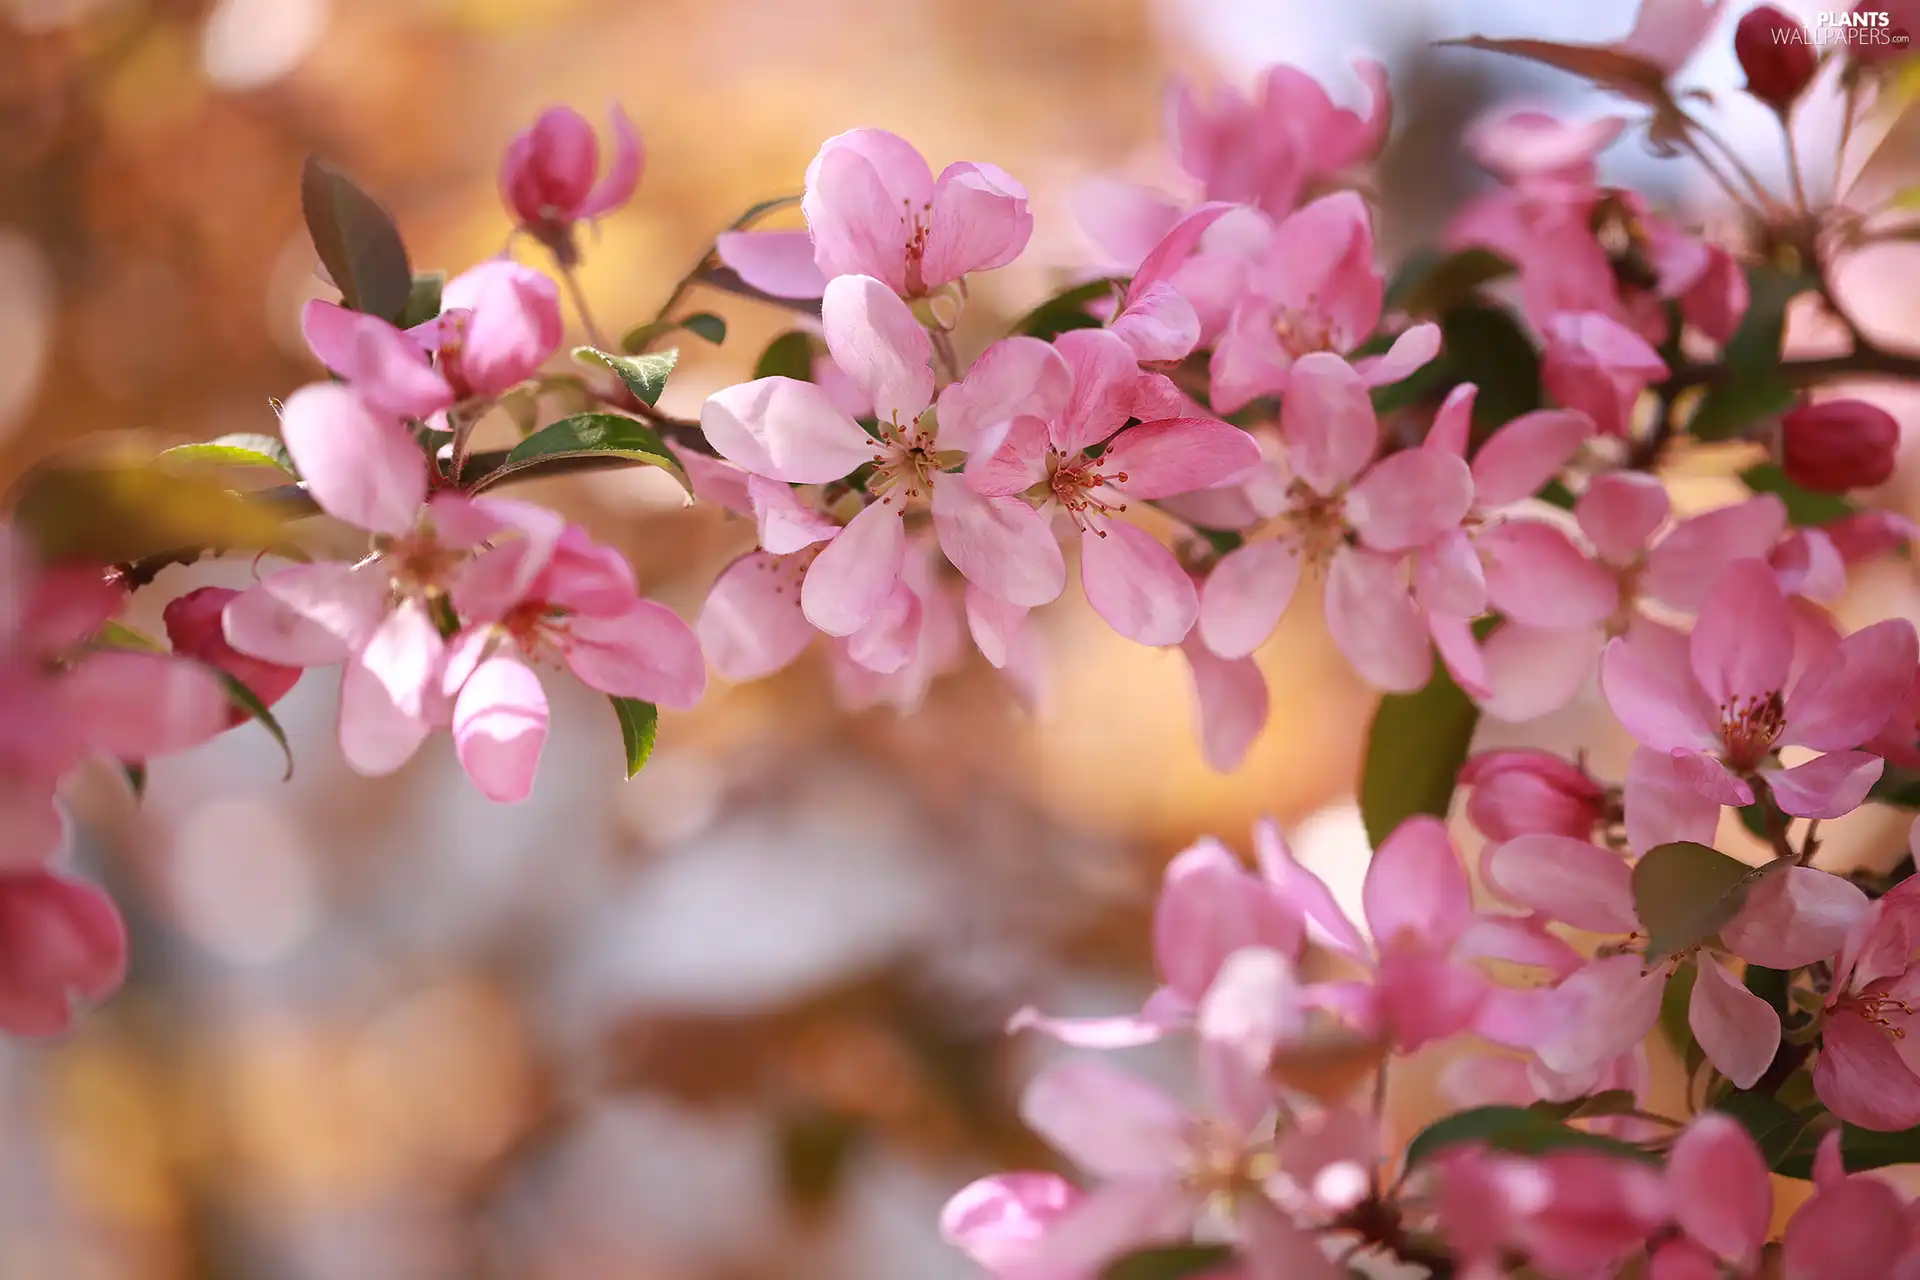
1464, 458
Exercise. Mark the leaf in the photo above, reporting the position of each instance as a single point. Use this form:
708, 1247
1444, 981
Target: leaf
248, 701
645, 376
1676, 1013
243, 449
702, 324
357, 242
423, 298
1736, 402
586, 435
1169, 1262
118, 635
1483, 344
1622, 72
1221, 540
1751, 387
114, 512
1608, 1102
1508, 1128
758, 211
1859, 1149
1067, 311
1776, 1128
788, 356
1429, 287
639, 725
1898, 787
1684, 893
1805, 507
1557, 494
1415, 748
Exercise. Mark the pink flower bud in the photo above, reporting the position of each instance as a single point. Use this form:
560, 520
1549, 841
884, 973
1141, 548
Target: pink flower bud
60, 941
1777, 54
1518, 793
547, 174
1838, 445
194, 627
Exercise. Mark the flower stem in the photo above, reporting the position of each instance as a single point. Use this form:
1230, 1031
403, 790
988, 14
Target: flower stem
572, 280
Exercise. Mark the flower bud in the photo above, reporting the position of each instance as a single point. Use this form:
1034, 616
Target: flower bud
1776, 52
547, 175
1838, 445
1517, 793
194, 627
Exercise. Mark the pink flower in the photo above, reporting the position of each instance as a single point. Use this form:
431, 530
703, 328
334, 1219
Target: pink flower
1525, 792
565, 601
1269, 150
1210, 906
62, 702
547, 175
1313, 289
195, 629
875, 209
1597, 365
1000, 1221
1721, 704
1349, 515
1230, 699
61, 941
499, 323
1867, 1072
1571, 1215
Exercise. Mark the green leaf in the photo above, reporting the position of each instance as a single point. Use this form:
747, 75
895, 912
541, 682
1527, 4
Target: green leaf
1429, 287
248, 701
1221, 540
114, 512
1731, 406
1751, 387
1415, 748
243, 449
1067, 311
1859, 1149
1506, 1128
1557, 494
1608, 1102
1684, 893
1898, 787
639, 726
1169, 1262
1777, 1129
586, 435
423, 298
357, 241
645, 376
1676, 1009
118, 635
788, 356
1484, 344
758, 211
1805, 507
703, 324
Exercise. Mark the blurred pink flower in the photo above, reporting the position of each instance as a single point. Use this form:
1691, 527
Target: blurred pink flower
1598, 366
547, 175
61, 941
1571, 1215
196, 630
1868, 1071
1526, 792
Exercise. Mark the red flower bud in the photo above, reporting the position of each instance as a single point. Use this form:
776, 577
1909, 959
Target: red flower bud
1523, 792
1777, 54
1838, 445
194, 627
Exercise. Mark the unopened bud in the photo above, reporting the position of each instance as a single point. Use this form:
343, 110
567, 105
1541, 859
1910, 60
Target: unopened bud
1522, 792
1838, 445
195, 629
1777, 54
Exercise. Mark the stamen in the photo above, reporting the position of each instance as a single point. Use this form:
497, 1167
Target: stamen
1750, 726
1077, 486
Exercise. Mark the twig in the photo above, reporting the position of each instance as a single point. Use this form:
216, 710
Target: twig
579, 296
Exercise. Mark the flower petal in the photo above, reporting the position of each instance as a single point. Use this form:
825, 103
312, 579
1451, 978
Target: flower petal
979, 220
1537, 577
875, 340
856, 572
1375, 623
1246, 594
1535, 670
1015, 377
779, 263
1828, 786
499, 726
1135, 583
784, 429
1619, 513
1722, 1193
1654, 695
133, 705
1739, 1031
1415, 884
1410, 352
1859, 1230
786, 524
1743, 643
1231, 697
1104, 374
1177, 455
1328, 423
1107, 1121
751, 625
1687, 564
1570, 880
1000, 544
360, 468
647, 652
1663, 805
1795, 917
1848, 696
1517, 460
1409, 499
1611, 1006
1861, 1078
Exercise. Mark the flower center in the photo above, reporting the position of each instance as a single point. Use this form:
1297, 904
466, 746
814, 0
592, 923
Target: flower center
1303, 330
1750, 726
1080, 487
903, 466
1221, 1163
1880, 1009
1314, 523
916, 246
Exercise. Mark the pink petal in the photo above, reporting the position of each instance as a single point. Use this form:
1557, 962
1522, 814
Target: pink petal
1847, 697
1861, 1078
499, 726
979, 220
1104, 372
1666, 32
1454, 641
1123, 219
1795, 917
1415, 884
1739, 1031
859, 226
1125, 1032
616, 186
1001, 545
379, 730
1722, 1194
751, 625
1449, 578
1658, 701
1611, 1005
1690, 561
1245, 595
60, 940
1425, 997
1570, 880
1410, 352
774, 262
1009, 458
1231, 695
1135, 583
360, 468
784, 429
1538, 578
1014, 377
1534, 670
1118, 1218
1276, 1249
1106, 1121
1177, 455
1743, 642
1160, 325
1327, 420
1248, 360
855, 573
308, 615
514, 326
998, 1221
1619, 513
1306, 891
1517, 460
33, 828
1710, 776
1828, 786
786, 524
133, 705
1375, 623
1663, 805
388, 369
1858, 1230
875, 340
1252, 1005
1452, 427
1409, 498
1181, 239
891, 639
646, 652
994, 623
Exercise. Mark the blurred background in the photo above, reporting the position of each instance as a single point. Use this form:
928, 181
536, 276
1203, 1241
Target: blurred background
740, 1017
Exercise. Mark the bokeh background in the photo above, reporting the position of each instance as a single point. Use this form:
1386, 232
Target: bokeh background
740, 1017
